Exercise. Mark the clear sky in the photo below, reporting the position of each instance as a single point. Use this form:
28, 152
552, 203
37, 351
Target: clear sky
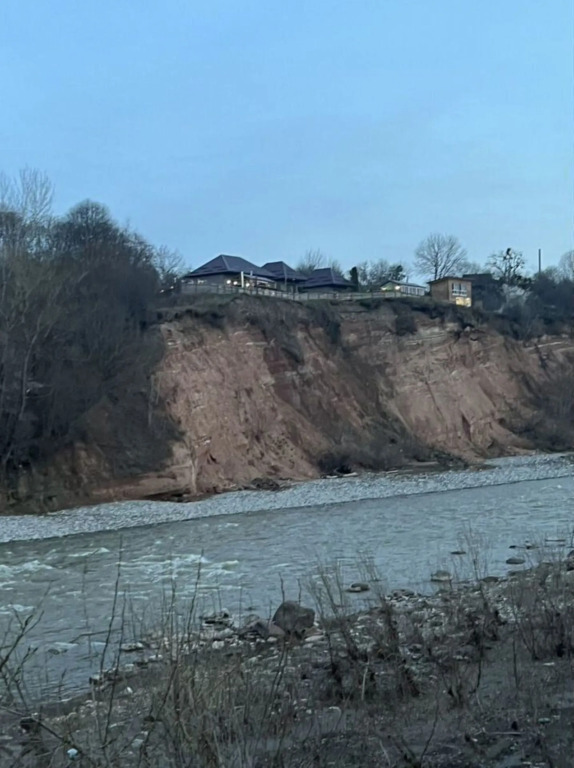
264, 128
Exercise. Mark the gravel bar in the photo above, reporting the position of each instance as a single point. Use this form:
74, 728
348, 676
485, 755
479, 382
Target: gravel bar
315, 493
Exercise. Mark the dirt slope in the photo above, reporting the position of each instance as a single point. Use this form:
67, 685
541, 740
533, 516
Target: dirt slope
267, 389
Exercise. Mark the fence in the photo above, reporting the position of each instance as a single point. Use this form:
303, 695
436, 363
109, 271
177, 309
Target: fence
192, 288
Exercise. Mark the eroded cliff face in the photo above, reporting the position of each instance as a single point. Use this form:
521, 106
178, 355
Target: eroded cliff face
266, 388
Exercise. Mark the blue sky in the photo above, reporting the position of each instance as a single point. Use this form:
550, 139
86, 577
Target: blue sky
265, 128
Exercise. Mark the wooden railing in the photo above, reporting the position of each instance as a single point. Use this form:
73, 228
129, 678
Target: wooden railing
342, 296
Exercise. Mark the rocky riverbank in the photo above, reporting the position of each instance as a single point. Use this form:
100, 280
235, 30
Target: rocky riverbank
477, 675
313, 493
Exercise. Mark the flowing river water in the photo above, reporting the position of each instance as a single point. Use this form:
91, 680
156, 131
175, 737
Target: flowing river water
243, 551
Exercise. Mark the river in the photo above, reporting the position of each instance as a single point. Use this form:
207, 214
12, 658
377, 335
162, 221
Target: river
245, 561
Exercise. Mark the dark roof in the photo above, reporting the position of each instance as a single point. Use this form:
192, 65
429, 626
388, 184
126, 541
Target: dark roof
229, 265
482, 276
449, 277
327, 277
283, 272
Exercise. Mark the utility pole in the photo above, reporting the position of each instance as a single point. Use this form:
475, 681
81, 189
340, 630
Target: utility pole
539, 260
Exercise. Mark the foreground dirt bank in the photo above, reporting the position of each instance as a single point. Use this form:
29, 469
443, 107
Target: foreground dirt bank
263, 390
476, 676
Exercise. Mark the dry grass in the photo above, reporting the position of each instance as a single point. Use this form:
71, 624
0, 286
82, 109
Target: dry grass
476, 675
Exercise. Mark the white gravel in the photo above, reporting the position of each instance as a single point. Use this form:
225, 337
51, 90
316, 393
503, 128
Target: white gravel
316, 493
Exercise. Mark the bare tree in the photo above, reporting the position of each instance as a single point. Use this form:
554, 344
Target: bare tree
314, 259
30, 195
508, 266
169, 266
440, 255
566, 265
73, 308
474, 267
25, 209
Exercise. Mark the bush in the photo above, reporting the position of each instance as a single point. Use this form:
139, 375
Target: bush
405, 322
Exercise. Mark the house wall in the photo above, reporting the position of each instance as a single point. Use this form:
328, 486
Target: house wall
440, 291
460, 292
411, 290
455, 291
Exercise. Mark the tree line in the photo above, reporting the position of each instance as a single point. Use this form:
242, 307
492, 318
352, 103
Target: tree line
74, 295
546, 296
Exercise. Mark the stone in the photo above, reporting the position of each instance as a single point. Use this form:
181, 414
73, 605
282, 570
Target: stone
515, 561
458, 552
256, 627
220, 619
314, 639
132, 647
294, 618
400, 594
275, 630
358, 586
441, 577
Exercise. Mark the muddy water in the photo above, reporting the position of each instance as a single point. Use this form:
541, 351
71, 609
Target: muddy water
245, 562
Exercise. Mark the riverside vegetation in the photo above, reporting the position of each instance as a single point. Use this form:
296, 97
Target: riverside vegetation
478, 674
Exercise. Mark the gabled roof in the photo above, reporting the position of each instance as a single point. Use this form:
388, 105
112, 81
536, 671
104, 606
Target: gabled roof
327, 277
229, 265
283, 272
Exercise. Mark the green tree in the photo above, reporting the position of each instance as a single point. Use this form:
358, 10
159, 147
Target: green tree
373, 274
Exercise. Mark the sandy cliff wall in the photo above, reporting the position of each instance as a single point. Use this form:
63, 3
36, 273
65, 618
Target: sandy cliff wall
263, 389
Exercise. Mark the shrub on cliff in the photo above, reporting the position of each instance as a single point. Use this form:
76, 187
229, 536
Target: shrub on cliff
405, 322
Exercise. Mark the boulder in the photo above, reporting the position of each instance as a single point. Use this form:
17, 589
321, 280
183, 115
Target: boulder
260, 629
132, 647
358, 586
515, 561
274, 630
293, 618
219, 619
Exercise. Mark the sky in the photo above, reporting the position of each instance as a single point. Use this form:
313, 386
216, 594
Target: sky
265, 128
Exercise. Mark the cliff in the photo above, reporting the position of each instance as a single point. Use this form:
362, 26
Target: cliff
253, 389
